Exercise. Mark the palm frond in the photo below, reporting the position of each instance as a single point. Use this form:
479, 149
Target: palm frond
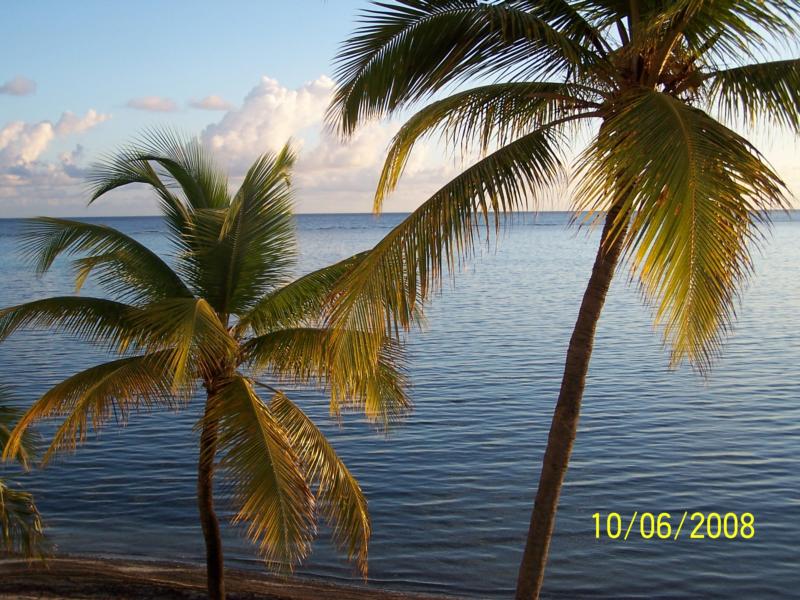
96, 320
255, 247
697, 192
759, 92
198, 341
127, 167
339, 497
165, 159
21, 529
92, 397
491, 114
8, 419
310, 356
385, 292
189, 165
298, 303
566, 17
412, 48
126, 268
735, 30
267, 481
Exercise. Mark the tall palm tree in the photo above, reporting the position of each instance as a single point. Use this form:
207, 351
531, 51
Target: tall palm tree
657, 88
225, 317
20, 524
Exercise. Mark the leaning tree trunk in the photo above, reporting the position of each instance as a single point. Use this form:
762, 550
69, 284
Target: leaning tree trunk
565, 418
205, 504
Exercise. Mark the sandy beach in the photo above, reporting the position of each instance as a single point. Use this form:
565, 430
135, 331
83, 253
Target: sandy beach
90, 578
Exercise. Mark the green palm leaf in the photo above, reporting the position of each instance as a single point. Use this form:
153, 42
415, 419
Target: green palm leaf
386, 290
198, 340
298, 303
8, 419
127, 167
412, 48
125, 267
162, 158
96, 320
339, 497
735, 30
309, 356
92, 397
21, 529
490, 114
268, 484
254, 250
696, 191
759, 92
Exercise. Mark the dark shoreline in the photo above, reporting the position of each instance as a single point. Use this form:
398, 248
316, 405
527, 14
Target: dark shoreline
98, 578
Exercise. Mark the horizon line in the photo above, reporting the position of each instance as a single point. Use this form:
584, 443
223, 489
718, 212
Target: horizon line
328, 214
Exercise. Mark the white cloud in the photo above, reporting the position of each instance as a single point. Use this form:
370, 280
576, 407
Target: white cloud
26, 179
153, 104
211, 103
268, 117
22, 143
72, 123
330, 175
18, 86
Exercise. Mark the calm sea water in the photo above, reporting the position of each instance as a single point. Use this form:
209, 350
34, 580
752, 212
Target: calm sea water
450, 491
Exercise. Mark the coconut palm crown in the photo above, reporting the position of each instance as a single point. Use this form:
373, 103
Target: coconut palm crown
653, 97
225, 316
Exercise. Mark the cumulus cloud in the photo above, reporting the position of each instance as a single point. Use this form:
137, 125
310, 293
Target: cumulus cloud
18, 86
331, 175
22, 142
72, 123
25, 176
268, 117
211, 103
153, 104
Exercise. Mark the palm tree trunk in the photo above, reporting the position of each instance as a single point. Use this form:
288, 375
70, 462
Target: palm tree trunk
205, 504
565, 418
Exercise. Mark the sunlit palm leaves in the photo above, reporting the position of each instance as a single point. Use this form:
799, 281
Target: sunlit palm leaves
756, 93
641, 79
438, 43
122, 266
695, 190
269, 486
385, 293
340, 498
103, 322
223, 302
21, 528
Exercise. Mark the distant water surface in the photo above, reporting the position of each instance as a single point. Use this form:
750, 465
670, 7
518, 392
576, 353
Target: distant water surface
450, 490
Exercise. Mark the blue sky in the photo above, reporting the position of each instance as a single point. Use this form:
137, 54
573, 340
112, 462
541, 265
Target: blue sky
97, 61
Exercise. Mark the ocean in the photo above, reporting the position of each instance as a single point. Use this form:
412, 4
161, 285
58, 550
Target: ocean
450, 490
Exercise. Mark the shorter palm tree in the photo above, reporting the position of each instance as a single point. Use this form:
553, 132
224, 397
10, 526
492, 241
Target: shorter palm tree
225, 318
21, 529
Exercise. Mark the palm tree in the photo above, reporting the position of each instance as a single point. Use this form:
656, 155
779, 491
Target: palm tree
225, 317
20, 524
655, 88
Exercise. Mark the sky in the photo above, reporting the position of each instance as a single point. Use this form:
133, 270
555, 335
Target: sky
80, 79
